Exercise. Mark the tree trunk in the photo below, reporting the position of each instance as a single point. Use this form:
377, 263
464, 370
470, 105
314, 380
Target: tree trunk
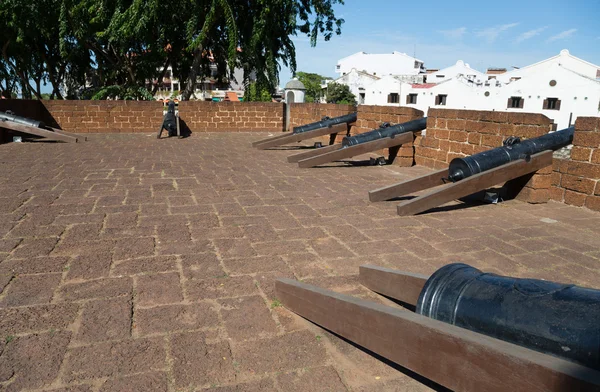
162, 76
191, 79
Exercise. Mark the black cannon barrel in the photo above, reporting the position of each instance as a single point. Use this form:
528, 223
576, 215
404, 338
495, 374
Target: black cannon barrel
553, 318
169, 120
410, 126
4, 116
326, 123
465, 167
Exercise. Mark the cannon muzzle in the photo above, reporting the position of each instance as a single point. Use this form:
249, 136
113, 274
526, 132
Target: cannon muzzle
386, 131
466, 167
553, 318
9, 116
326, 122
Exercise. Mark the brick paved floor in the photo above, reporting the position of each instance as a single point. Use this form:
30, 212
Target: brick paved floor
128, 263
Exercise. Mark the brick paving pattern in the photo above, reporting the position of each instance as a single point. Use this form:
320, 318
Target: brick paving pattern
131, 264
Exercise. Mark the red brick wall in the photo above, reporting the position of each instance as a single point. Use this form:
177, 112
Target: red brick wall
371, 117
145, 116
576, 181
306, 113
459, 133
106, 116
232, 116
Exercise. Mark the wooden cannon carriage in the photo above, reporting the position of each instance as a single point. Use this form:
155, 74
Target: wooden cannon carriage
450, 355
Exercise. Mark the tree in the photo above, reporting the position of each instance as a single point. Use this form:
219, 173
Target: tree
340, 93
312, 83
85, 46
257, 93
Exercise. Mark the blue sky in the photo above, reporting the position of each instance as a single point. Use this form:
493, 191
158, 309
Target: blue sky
483, 34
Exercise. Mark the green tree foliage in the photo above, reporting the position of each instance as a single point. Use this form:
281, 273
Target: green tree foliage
340, 93
312, 83
114, 48
256, 92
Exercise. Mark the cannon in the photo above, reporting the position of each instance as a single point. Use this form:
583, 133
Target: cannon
386, 130
553, 318
513, 164
327, 126
170, 121
9, 116
464, 329
386, 136
326, 122
512, 150
37, 129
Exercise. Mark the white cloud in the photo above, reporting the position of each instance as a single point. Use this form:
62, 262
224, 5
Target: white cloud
454, 33
530, 34
562, 35
491, 33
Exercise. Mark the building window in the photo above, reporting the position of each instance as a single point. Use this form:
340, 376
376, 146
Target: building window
491, 77
411, 99
417, 64
361, 98
515, 102
393, 98
337, 67
552, 104
441, 99
440, 76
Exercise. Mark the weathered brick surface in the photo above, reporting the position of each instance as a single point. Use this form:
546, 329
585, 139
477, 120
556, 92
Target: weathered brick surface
459, 133
144, 116
232, 116
125, 267
576, 181
305, 113
106, 116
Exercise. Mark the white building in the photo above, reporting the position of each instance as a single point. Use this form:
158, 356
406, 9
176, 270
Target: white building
209, 88
562, 88
386, 91
395, 63
460, 68
357, 81
564, 59
360, 70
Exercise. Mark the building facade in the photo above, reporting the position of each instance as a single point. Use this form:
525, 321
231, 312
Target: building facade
210, 88
394, 63
562, 88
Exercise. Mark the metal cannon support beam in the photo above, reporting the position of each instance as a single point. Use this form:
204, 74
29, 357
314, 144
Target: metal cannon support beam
291, 137
52, 134
359, 149
451, 356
